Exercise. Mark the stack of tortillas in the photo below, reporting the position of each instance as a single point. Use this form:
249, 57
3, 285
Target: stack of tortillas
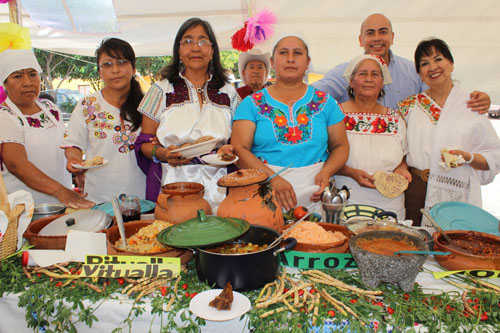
390, 184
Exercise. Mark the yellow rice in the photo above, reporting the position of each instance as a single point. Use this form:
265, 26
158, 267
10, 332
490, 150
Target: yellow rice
144, 240
312, 233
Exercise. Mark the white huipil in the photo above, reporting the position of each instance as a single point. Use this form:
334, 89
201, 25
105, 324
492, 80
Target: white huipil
97, 129
42, 145
177, 110
377, 143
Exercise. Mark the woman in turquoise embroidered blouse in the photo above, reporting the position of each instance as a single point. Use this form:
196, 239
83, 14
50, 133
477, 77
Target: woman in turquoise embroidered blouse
291, 123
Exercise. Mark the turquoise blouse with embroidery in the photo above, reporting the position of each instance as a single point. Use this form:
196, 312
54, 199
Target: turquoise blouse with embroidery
286, 135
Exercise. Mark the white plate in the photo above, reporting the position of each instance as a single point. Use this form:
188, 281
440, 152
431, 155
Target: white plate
214, 159
83, 167
197, 149
199, 306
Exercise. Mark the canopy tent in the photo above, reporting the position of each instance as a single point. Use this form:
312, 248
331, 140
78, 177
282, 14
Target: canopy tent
331, 27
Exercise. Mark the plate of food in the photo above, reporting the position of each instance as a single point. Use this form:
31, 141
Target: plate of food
201, 146
220, 159
220, 304
94, 162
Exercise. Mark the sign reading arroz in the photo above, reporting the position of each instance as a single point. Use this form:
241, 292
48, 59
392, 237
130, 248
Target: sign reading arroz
130, 266
307, 260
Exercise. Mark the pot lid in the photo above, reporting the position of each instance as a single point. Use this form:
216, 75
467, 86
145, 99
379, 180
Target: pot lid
242, 177
81, 220
203, 231
364, 224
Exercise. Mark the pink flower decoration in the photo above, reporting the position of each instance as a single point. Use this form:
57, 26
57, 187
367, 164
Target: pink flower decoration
4, 1
3, 94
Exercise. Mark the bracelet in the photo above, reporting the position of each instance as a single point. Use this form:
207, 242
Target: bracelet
153, 153
471, 159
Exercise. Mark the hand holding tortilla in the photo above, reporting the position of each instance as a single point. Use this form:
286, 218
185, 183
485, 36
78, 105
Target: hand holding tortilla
390, 184
450, 160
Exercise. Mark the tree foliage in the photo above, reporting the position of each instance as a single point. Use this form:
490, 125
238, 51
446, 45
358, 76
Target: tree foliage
68, 67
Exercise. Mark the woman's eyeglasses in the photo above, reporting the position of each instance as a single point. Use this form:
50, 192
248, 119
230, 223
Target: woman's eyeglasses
119, 63
190, 42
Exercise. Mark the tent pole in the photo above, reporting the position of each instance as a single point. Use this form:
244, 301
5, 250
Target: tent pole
14, 12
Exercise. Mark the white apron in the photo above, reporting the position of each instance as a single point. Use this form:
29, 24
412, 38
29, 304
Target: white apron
302, 180
42, 147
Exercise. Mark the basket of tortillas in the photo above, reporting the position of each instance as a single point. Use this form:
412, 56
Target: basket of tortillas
8, 223
389, 184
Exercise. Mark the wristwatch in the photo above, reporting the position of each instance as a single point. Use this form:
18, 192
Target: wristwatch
153, 153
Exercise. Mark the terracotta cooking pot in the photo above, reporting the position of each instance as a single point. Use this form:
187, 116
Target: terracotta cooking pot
463, 259
250, 199
180, 202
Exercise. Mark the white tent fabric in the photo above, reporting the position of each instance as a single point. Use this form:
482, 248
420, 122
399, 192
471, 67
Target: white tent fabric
471, 28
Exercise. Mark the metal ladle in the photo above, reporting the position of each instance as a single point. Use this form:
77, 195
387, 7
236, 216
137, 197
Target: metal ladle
436, 226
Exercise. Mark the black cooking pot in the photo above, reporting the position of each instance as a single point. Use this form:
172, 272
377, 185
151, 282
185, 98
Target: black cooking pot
246, 271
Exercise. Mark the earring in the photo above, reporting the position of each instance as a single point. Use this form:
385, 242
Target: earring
211, 68
181, 68
350, 91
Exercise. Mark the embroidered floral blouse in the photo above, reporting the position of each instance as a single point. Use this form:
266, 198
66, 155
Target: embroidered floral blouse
11, 125
96, 128
422, 114
296, 134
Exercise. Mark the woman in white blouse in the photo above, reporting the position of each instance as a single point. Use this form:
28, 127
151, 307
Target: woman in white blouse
107, 124
377, 135
193, 99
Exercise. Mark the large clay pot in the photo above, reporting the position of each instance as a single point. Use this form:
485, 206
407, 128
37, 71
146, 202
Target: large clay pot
180, 202
254, 203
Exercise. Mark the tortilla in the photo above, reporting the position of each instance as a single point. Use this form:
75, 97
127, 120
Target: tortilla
449, 159
97, 160
390, 184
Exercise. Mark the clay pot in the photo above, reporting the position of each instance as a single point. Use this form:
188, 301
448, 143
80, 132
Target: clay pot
336, 247
461, 259
245, 203
180, 202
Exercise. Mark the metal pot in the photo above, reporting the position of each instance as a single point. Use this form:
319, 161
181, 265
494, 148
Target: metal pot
360, 224
48, 209
247, 271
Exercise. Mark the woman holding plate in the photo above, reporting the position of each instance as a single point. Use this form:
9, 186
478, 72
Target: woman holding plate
31, 131
106, 124
193, 100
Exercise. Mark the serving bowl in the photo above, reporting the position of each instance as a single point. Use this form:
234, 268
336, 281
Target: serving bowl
341, 246
461, 259
131, 228
400, 269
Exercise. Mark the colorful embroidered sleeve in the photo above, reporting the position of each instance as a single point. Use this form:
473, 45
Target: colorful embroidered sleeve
246, 110
405, 105
11, 129
153, 103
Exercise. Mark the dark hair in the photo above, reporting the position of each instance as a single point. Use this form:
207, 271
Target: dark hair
120, 49
303, 42
426, 48
171, 71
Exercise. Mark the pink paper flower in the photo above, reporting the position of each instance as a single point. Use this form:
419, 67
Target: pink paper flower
3, 94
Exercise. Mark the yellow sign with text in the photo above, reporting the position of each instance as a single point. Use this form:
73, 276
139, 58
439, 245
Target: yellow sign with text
478, 273
130, 266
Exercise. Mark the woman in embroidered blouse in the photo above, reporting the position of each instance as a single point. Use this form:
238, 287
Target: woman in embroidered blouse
192, 100
31, 131
439, 118
291, 123
107, 124
377, 135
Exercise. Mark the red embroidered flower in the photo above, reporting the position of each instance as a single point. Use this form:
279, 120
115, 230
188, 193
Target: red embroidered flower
302, 119
321, 95
349, 123
280, 121
294, 134
257, 96
379, 125
33, 122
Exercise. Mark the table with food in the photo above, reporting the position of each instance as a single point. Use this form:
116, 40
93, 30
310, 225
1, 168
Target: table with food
250, 268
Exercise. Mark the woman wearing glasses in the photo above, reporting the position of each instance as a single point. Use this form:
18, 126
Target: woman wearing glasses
194, 99
107, 124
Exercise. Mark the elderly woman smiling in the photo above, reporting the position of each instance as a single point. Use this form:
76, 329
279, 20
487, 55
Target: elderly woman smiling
377, 135
31, 131
291, 123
